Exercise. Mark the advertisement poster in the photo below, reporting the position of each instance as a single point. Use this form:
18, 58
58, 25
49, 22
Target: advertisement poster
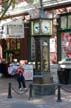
66, 44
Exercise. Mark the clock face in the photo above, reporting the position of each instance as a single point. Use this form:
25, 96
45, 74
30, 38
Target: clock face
41, 27
46, 27
36, 27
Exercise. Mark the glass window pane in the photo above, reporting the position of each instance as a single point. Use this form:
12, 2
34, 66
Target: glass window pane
69, 21
65, 45
63, 22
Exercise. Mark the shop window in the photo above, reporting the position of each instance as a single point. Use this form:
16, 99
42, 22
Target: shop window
69, 21
11, 49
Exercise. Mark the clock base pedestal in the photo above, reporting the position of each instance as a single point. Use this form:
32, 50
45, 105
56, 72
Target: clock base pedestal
43, 86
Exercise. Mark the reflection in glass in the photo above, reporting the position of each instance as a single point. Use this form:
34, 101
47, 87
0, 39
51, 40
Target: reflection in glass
69, 21
38, 54
45, 56
63, 22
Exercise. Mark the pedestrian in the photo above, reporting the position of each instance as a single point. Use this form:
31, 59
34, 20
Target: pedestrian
20, 78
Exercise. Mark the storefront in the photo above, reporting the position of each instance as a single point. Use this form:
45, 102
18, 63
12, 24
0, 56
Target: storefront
13, 39
64, 47
14, 42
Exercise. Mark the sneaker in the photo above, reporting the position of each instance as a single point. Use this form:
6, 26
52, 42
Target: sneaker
25, 88
20, 89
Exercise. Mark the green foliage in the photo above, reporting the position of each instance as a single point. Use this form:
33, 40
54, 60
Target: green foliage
4, 4
30, 1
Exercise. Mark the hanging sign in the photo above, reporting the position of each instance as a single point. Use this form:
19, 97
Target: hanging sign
14, 29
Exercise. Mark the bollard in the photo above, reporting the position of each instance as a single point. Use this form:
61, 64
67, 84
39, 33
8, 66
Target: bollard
59, 95
30, 91
9, 91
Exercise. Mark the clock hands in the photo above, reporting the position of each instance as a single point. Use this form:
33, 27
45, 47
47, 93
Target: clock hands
36, 27
42, 27
46, 27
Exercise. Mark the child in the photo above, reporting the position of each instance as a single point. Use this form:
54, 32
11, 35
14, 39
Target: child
20, 78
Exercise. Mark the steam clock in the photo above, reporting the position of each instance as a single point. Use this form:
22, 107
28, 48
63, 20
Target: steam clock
41, 30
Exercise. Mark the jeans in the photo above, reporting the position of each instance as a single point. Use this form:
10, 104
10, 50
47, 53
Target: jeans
21, 81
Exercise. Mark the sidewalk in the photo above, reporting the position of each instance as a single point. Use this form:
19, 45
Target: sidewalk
21, 101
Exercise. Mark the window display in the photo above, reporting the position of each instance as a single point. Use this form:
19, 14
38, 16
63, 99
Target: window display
66, 44
11, 49
13, 44
18, 44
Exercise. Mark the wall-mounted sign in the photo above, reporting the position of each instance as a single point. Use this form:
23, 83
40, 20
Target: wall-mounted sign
14, 29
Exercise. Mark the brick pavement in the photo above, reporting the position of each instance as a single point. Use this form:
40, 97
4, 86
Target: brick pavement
22, 100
